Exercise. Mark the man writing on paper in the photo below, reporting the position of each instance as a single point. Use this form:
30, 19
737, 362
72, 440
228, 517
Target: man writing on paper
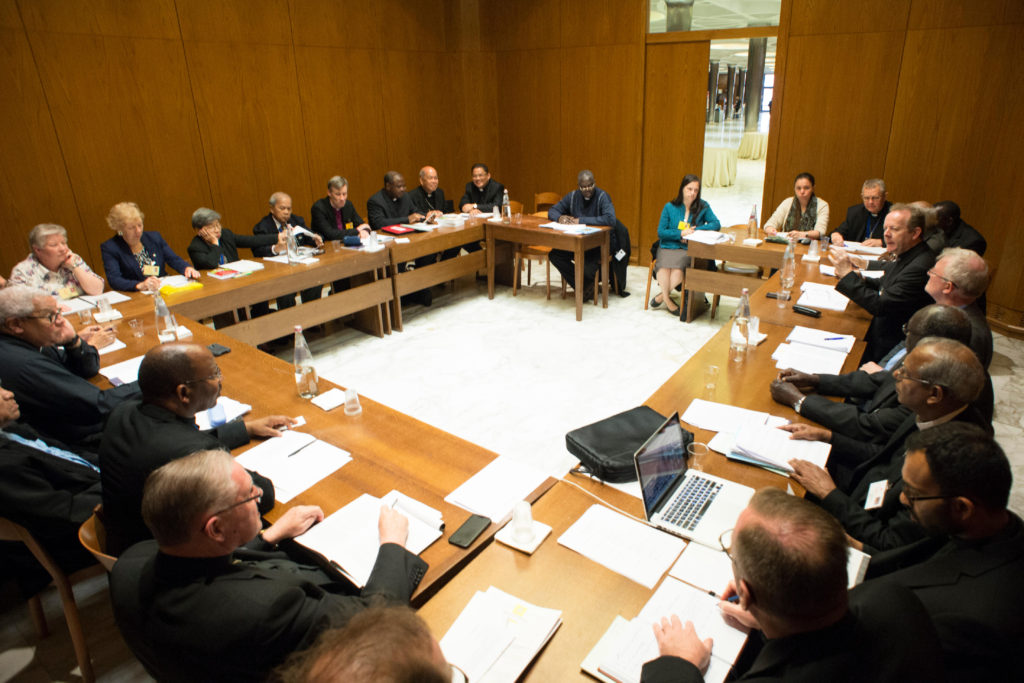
790, 582
589, 205
178, 381
900, 292
969, 572
938, 381
47, 365
211, 600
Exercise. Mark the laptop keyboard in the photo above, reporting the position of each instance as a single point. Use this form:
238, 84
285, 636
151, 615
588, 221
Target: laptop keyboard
691, 502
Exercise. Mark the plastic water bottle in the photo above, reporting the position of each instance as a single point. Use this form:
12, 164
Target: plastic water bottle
305, 373
506, 209
787, 275
752, 223
739, 336
293, 246
166, 325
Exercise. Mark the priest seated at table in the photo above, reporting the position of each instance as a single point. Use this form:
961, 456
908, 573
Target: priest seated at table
790, 586
589, 205
212, 598
178, 381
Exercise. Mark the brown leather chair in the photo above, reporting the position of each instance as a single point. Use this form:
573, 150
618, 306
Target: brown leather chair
11, 531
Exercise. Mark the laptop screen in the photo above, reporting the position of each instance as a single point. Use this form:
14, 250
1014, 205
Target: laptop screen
660, 462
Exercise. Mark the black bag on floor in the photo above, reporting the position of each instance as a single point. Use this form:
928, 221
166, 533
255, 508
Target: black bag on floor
606, 447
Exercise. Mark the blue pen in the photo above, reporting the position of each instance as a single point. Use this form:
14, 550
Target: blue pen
833, 338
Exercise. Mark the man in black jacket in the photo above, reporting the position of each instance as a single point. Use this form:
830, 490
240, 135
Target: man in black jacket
209, 600
391, 205
482, 194
276, 223
47, 366
952, 231
969, 572
865, 222
900, 292
334, 216
789, 568
177, 381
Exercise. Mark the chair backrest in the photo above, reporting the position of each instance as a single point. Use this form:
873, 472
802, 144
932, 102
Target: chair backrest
517, 207
93, 535
542, 201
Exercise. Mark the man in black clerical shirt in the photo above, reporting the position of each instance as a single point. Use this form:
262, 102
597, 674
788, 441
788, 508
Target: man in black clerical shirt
428, 198
952, 231
391, 205
482, 193
334, 217
589, 205
865, 222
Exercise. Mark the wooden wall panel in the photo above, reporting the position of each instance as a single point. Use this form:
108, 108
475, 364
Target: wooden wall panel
250, 115
33, 179
834, 121
343, 121
475, 79
529, 115
234, 21
602, 22
349, 24
124, 116
811, 17
418, 26
601, 122
957, 13
675, 81
522, 25
125, 18
960, 96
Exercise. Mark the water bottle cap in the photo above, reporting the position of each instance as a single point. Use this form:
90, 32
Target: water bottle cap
298, 328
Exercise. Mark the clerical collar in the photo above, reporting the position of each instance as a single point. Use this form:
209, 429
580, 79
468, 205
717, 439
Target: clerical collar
943, 419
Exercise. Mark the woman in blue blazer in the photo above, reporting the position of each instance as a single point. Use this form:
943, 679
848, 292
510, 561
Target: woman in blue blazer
135, 260
680, 217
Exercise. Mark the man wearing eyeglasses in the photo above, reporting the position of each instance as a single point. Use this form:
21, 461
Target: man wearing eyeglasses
790, 583
969, 572
900, 291
589, 205
47, 365
212, 599
865, 222
938, 381
178, 381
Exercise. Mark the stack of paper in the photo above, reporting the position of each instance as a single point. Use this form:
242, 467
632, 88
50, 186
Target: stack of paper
624, 652
294, 461
774, 447
708, 237
821, 338
811, 359
858, 248
721, 417
494, 490
75, 305
111, 297
226, 410
637, 551
497, 635
283, 258
349, 539
124, 372
816, 295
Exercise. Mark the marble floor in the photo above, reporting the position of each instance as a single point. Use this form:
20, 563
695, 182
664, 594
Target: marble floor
512, 375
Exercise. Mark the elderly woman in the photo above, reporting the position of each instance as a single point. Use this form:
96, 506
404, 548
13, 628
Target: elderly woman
53, 267
133, 259
682, 216
801, 216
214, 245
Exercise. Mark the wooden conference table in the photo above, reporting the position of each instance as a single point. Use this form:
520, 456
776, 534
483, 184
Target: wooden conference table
531, 232
390, 450
590, 595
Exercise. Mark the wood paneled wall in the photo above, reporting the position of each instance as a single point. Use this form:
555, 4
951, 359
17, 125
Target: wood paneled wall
176, 104
928, 94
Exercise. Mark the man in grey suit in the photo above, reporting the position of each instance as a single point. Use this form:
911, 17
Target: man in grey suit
213, 599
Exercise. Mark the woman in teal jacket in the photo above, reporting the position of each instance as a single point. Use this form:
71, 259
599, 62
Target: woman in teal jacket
680, 217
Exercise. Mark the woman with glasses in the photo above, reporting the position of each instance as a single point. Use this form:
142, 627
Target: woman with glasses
680, 217
802, 215
135, 259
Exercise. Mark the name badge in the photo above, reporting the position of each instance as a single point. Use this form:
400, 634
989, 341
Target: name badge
683, 225
876, 494
620, 254
348, 226
151, 270
67, 292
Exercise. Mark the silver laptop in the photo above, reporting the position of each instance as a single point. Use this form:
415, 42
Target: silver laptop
687, 503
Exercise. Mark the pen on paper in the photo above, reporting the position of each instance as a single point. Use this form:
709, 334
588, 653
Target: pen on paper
732, 598
833, 338
297, 450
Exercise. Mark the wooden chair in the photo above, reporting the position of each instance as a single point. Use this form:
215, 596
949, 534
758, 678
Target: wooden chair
93, 535
542, 201
10, 531
517, 207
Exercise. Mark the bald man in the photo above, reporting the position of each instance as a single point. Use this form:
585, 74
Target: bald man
177, 381
428, 198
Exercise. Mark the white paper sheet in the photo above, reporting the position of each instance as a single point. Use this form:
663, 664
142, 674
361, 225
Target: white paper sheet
816, 295
115, 345
703, 567
719, 417
633, 549
244, 266
822, 338
707, 237
812, 359
124, 372
294, 461
112, 297
76, 305
775, 447
494, 490
229, 408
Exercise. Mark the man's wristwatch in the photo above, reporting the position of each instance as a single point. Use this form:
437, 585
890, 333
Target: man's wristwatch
800, 402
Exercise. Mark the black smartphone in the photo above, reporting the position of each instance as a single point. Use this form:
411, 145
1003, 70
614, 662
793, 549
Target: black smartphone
469, 531
804, 240
804, 310
218, 349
